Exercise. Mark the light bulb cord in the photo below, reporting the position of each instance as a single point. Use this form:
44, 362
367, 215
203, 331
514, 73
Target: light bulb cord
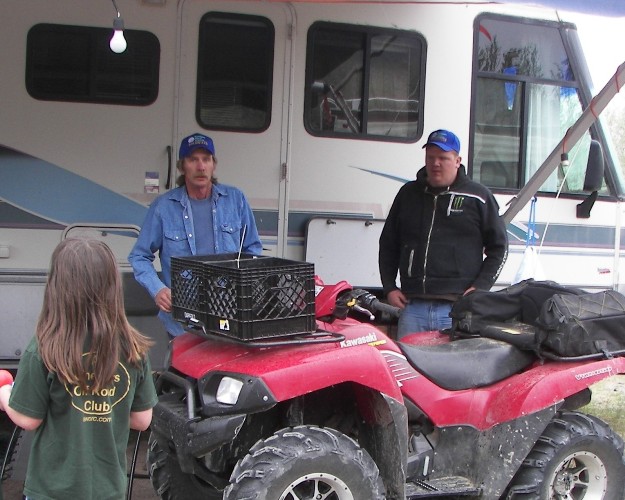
116, 9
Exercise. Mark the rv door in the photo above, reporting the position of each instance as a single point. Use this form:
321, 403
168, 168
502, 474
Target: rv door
234, 83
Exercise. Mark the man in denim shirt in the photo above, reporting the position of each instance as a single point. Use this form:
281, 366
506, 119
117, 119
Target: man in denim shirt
200, 217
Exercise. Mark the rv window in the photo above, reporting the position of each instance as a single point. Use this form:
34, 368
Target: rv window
525, 98
364, 82
235, 72
75, 63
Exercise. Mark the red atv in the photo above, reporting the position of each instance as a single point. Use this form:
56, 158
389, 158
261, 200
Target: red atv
346, 413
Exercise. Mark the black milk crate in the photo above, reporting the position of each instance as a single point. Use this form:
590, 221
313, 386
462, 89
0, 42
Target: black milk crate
244, 297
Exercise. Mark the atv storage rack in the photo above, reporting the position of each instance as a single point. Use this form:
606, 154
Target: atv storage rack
243, 296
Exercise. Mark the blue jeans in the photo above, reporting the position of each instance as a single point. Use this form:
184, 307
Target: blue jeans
423, 316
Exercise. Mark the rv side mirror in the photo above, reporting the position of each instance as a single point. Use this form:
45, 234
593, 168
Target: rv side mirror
594, 169
593, 179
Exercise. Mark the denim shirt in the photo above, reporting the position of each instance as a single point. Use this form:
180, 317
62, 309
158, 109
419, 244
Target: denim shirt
168, 229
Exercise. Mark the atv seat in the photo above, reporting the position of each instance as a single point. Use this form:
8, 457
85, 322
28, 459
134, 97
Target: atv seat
467, 363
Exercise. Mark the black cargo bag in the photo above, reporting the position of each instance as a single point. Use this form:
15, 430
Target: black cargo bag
472, 312
583, 325
509, 314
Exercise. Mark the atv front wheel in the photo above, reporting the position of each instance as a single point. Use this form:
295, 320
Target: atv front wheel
306, 463
578, 456
170, 483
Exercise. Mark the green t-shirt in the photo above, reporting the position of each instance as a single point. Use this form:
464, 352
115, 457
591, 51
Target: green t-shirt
79, 450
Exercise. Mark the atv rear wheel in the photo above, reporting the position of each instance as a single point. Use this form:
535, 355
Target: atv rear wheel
170, 483
578, 456
306, 463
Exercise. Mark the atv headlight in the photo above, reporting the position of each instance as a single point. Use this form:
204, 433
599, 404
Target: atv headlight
226, 393
229, 390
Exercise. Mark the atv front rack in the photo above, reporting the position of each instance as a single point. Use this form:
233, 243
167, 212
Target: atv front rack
318, 337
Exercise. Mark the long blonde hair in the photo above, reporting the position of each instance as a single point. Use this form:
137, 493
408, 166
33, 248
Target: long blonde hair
82, 325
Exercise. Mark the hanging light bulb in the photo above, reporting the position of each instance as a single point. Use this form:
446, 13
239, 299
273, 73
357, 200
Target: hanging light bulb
118, 42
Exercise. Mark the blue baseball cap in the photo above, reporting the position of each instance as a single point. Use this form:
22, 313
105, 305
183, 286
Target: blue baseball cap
193, 142
445, 140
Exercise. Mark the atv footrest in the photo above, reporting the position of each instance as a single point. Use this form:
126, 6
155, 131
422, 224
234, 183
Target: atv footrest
440, 487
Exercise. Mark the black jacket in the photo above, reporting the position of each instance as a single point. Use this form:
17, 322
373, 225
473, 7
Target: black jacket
438, 241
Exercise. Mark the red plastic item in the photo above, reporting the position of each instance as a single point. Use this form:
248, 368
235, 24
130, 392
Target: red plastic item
5, 378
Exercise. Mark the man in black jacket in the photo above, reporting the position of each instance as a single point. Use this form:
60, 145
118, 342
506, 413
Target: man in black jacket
444, 235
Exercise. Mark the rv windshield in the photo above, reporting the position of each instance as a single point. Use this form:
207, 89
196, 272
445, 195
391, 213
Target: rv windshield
526, 97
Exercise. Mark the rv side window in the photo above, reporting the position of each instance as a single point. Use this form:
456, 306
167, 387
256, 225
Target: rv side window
235, 72
364, 82
525, 98
75, 63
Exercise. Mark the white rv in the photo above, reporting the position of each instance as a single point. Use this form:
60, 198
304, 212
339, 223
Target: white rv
319, 112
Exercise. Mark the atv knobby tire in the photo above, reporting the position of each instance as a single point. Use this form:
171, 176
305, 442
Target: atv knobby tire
578, 456
170, 483
306, 463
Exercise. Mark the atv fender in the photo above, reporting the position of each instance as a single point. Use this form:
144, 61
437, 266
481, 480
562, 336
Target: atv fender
522, 394
546, 385
291, 371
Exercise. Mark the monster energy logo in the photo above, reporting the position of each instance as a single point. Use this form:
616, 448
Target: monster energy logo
457, 203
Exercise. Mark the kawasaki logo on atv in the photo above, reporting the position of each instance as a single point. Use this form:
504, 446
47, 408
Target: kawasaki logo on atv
367, 339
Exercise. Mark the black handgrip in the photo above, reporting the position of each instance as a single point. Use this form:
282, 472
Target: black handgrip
370, 302
393, 311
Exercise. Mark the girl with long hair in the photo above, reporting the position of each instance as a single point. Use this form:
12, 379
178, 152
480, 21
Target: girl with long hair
83, 381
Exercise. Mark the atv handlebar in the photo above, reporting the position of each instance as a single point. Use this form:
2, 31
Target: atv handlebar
367, 303
392, 311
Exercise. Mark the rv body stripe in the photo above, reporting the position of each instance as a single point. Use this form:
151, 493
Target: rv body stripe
60, 196
46, 191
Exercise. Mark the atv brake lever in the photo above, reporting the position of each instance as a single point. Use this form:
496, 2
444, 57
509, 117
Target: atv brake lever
362, 310
364, 297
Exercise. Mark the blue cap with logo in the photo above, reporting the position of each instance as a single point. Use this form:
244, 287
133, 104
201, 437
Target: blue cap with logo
193, 142
445, 140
